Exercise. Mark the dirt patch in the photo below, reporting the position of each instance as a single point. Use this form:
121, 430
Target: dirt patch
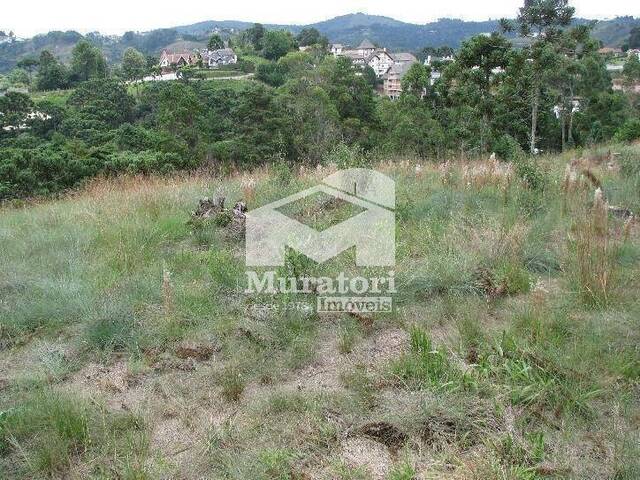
385, 433
382, 347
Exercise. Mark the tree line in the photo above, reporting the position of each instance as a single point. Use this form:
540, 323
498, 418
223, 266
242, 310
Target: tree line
553, 94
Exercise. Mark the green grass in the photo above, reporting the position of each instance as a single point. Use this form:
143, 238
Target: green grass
514, 337
57, 97
217, 73
47, 432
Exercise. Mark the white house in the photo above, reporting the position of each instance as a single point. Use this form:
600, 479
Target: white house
217, 58
336, 48
381, 62
430, 59
366, 48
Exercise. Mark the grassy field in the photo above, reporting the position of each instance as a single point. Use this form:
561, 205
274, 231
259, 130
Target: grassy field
209, 73
127, 348
57, 97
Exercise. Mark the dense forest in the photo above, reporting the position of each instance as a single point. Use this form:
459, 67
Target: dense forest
308, 106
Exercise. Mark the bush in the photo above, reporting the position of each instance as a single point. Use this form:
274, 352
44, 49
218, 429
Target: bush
531, 174
346, 156
507, 148
629, 131
273, 74
146, 162
43, 170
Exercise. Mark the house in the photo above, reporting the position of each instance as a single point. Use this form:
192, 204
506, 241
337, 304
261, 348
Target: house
355, 57
170, 61
392, 86
217, 58
610, 51
404, 57
366, 48
380, 61
621, 85
434, 77
336, 49
433, 59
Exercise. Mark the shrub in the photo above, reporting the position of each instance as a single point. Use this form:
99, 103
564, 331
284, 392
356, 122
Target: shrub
272, 73
530, 172
346, 156
629, 131
146, 162
508, 148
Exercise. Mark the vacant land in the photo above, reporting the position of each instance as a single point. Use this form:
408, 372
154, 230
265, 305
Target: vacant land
127, 348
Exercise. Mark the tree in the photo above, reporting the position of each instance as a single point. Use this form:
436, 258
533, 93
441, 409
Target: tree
272, 73
105, 100
631, 70
29, 64
52, 75
19, 77
542, 20
352, 97
14, 107
311, 36
215, 42
416, 80
87, 62
369, 75
134, 64
411, 127
254, 36
188, 73
312, 119
276, 44
474, 79
634, 38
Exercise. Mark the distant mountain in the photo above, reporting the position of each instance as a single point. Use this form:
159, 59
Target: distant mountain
396, 35
613, 33
347, 29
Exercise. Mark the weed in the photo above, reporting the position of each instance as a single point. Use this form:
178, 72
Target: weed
424, 366
232, 382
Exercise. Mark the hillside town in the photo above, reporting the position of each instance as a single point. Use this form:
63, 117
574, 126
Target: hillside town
389, 67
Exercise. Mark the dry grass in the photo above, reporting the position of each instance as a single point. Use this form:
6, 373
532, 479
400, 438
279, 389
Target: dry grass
511, 354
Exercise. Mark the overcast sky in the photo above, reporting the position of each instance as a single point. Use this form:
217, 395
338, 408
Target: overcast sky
117, 16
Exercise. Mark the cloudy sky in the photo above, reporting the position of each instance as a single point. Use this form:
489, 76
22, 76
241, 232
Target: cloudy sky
118, 16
